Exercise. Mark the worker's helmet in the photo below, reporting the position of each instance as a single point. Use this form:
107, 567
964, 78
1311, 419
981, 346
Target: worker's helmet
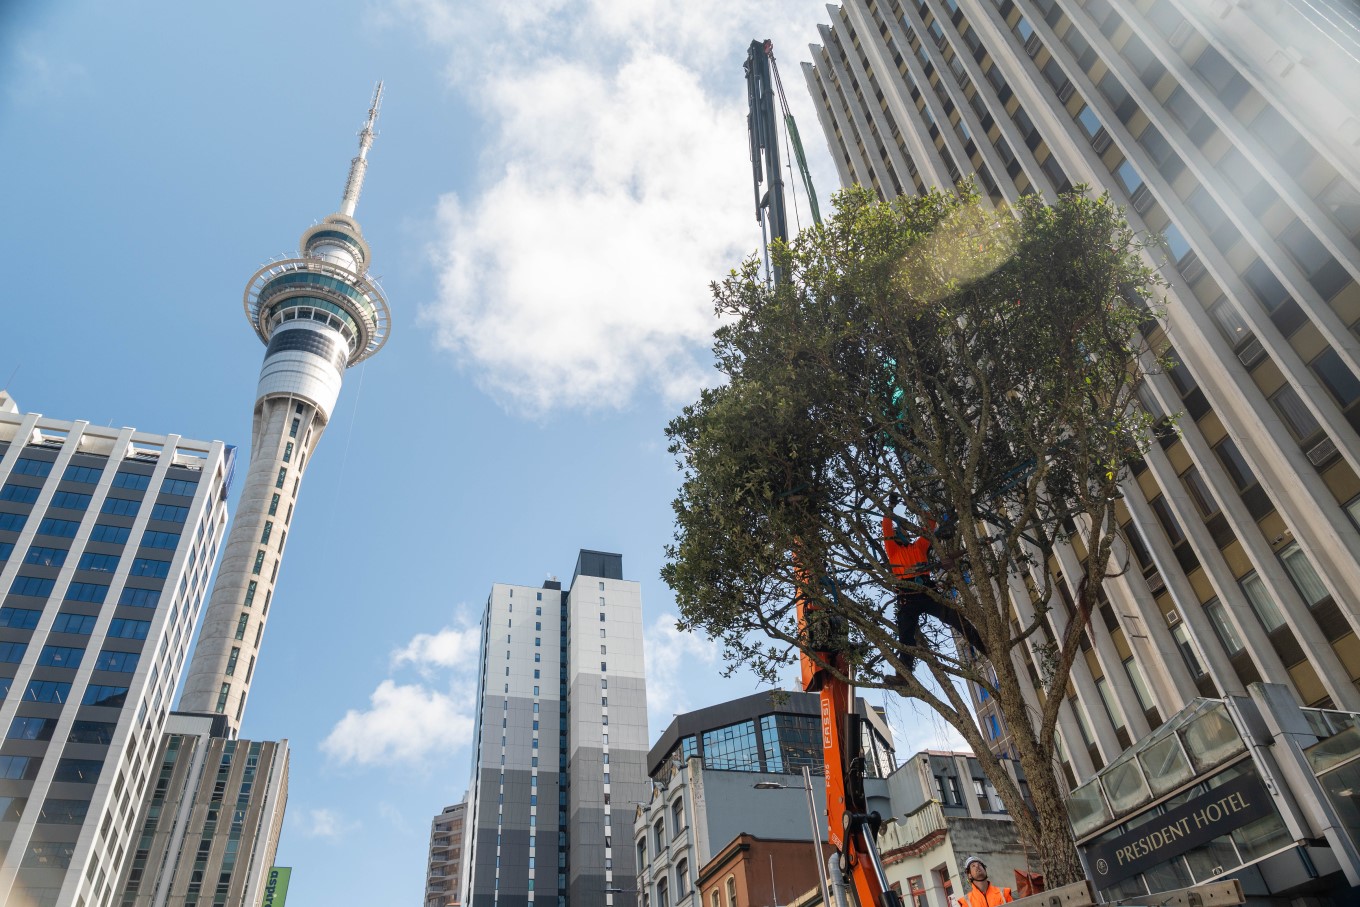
970, 861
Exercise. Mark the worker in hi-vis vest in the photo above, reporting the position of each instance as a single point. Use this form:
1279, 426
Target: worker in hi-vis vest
983, 893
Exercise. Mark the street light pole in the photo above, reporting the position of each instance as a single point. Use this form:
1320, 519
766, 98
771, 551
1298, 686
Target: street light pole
817, 860
816, 829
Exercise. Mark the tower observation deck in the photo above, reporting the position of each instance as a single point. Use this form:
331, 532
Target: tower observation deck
317, 314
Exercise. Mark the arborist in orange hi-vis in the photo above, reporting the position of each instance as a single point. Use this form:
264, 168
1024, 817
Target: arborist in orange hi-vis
982, 893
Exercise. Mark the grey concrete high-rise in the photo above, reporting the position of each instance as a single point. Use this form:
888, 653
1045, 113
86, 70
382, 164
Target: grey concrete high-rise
1234, 132
560, 743
107, 538
1232, 129
317, 315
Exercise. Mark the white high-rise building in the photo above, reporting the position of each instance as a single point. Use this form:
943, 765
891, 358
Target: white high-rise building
317, 314
107, 537
561, 743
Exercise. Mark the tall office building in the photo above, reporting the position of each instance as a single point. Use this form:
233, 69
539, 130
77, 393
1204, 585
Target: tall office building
1198, 118
561, 743
446, 855
317, 315
107, 537
209, 829
1232, 130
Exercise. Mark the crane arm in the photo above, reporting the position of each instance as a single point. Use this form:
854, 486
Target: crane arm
851, 828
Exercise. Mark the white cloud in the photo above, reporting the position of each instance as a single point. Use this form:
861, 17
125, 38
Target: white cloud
326, 823
673, 659
452, 647
417, 722
616, 187
403, 723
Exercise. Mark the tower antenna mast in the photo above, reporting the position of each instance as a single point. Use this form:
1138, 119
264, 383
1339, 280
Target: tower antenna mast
359, 165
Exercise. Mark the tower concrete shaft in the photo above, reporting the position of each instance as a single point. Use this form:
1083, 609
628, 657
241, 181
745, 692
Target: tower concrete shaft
317, 314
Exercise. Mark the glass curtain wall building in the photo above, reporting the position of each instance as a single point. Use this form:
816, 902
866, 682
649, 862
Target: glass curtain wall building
107, 538
561, 743
1233, 133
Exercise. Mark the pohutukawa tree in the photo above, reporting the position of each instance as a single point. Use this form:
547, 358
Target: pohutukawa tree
970, 376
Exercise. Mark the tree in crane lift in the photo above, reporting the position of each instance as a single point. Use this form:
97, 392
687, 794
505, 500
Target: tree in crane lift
918, 359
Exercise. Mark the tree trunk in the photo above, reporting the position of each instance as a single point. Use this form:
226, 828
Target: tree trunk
1056, 848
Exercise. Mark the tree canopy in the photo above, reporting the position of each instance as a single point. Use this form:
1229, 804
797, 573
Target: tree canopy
969, 375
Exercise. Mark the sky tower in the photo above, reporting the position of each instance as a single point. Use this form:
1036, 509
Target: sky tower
317, 314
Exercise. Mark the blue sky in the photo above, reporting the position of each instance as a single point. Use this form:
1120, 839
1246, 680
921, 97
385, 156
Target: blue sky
551, 190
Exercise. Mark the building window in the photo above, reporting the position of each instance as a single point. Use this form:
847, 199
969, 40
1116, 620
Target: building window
166, 541
86, 592
1111, 707
1295, 413
170, 513
49, 557
1187, 649
980, 791
1337, 377
1200, 493
181, 487
222, 695
80, 624
948, 786
662, 895
19, 618
145, 566
268, 528
1302, 574
283, 475
122, 662
231, 660
22, 494
42, 468
125, 507
1140, 688
259, 562
1266, 611
682, 880
659, 836
60, 657
732, 748
104, 563
1223, 628
114, 535
678, 817
68, 499
241, 626
1323, 271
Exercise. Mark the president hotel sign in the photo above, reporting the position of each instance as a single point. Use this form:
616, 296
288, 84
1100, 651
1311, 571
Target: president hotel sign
1198, 821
